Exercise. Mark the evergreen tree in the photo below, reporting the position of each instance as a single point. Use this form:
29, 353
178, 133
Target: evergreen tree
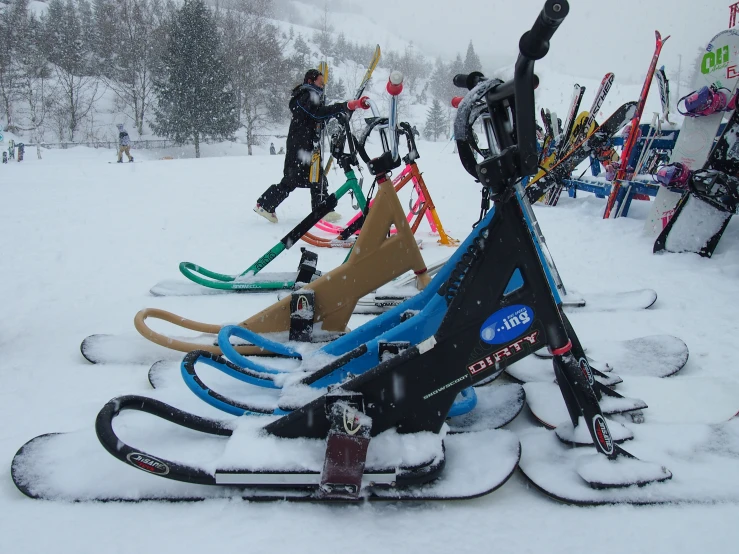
302, 50
338, 91
438, 80
435, 121
456, 67
472, 60
196, 98
340, 48
106, 36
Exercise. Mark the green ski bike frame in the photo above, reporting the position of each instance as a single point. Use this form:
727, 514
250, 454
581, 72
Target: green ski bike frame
248, 281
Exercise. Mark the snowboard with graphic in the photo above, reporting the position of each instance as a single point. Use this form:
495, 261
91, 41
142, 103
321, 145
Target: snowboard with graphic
719, 66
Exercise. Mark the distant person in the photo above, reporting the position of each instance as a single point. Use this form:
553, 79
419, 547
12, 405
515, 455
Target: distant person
272, 148
309, 115
282, 150
124, 144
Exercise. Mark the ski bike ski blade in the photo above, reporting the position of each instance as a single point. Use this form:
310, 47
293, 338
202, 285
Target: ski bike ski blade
84, 471
687, 449
650, 356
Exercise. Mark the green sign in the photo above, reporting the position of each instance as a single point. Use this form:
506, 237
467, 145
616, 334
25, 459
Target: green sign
715, 60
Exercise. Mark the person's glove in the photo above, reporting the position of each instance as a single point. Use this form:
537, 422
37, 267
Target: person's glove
361, 103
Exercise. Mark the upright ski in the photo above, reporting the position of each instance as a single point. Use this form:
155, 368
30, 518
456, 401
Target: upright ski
633, 135
360, 90
664, 93
597, 139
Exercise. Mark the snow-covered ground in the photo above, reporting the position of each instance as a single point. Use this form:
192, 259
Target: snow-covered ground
83, 240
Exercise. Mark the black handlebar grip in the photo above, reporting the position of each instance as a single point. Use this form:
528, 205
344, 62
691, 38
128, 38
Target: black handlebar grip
535, 43
468, 80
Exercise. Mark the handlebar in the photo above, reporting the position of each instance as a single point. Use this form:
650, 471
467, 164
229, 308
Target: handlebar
517, 143
468, 80
534, 44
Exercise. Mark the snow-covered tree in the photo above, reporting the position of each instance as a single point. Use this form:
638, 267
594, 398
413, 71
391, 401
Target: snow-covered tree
68, 49
195, 95
472, 60
436, 121
14, 29
136, 55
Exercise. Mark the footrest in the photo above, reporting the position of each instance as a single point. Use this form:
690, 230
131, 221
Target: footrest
302, 311
346, 446
307, 268
390, 349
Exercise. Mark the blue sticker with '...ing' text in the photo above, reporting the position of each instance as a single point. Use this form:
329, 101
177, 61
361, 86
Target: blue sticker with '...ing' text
506, 324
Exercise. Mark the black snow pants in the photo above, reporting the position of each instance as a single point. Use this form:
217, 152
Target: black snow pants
292, 179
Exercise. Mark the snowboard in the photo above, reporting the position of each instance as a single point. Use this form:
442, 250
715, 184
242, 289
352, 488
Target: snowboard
580, 152
685, 451
718, 66
697, 226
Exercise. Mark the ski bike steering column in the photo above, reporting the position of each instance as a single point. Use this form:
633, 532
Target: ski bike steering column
513, 155
518, 156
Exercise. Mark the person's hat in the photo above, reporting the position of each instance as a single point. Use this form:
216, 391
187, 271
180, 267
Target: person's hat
311, 75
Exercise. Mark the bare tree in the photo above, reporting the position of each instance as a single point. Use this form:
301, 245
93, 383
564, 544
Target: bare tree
35, 88
137, 56
70, 52
14, 28
257, 68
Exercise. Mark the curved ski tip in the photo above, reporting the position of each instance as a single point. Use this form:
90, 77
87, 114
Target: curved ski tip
85, 347
654, 296
153, 373
22, 478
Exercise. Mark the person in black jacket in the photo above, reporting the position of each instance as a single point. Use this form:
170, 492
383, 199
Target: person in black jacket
309, 114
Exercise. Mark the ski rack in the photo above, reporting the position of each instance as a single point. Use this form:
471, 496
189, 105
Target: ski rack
376, 260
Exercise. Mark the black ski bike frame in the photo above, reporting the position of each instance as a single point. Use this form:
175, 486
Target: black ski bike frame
414, 390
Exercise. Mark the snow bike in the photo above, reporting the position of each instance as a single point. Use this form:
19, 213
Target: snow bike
250, 280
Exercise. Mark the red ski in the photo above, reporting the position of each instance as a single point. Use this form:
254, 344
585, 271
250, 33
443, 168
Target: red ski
633, 135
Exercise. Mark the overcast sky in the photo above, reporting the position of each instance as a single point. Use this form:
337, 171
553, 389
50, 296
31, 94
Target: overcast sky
598, 35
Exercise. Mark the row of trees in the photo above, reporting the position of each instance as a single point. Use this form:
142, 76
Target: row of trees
166, 67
